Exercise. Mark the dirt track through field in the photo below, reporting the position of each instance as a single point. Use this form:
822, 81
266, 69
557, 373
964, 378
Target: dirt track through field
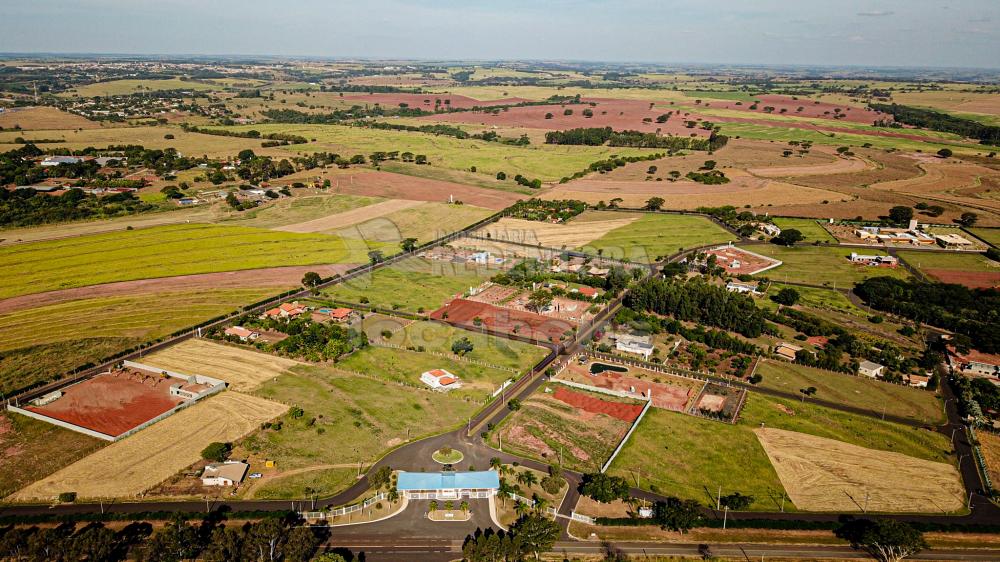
278, 277
243, 369
128, 467
822, 474
413, 188
572, 235
839, 166
352, 217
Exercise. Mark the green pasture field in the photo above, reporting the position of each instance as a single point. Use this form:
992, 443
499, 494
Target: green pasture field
438, 338
952, 261
414, 285
538, 93
693, 456
307, 484
862, 392
466, 177
586, 441
356, 418
816, 297
721, 95
545, 162
34, 449
402, 366
809, 228
123, 87
41, 343
786, 131
425, 222
821, 265
654, 236
988, 235
298, 209
165, 251
189, 144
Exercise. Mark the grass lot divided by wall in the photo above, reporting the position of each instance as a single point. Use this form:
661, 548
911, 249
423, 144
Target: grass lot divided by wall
690, 457
814, 297
809, 228
862, 392
33, 449
164, 251
989, 235
306, 484
656, 235
299, 209
955, 261
424, 222
410, 285
822, 265
488, 349
361, 418
45, 342
545, 162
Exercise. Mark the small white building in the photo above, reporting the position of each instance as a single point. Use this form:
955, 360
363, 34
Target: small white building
57, 160
229, 473
871, 369
744, 288
769, 229
245, 334
638, 345
439, 379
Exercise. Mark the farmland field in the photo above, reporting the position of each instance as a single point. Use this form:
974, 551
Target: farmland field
356, 418
971, 270
164, 251
990, 235
990, 446
914, 403
816, 297
413, 285
50, 118
123, 87
822, 265
579, 231
195, 144
145, 459
809, 228
423, 221
243, 369
654, 236
437, 338
295, 210
34, 449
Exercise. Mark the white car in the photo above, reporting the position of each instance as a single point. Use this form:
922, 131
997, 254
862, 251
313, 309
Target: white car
256, 475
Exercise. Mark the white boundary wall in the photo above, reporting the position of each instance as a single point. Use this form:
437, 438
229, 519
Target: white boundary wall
627, 435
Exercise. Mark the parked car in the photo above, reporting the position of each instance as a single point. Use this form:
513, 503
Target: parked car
256, 475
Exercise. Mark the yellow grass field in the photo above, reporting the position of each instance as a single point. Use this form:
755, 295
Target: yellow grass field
823, 474
574, 234
82, 228
990, 445
838, 166
34, 118
129, 467
335, 221
242, 368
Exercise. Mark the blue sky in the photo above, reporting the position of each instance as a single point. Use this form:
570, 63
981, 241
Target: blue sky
957, 33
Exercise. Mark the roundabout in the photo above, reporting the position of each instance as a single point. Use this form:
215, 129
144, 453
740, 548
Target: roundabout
447, 455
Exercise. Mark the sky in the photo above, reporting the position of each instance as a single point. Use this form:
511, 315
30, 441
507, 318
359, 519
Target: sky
916, 33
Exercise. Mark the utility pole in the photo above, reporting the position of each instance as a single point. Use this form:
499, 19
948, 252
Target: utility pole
718, 499
725, 516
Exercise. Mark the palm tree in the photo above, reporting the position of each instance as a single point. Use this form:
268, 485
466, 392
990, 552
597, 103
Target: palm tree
520, 508
495, 464
504, 490
529, 478
465, 506
434, 505
449, 505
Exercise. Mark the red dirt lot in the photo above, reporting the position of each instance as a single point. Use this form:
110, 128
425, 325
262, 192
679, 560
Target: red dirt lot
619, 410
112, 404
271, 277
666, 396
527, 324
971, 279
412, 188
810, 108
614, 113
427, 102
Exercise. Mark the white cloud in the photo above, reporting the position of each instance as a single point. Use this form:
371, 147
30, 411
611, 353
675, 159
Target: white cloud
876, 13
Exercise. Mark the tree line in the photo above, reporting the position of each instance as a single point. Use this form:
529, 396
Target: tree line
937, 121
599, 136
698, 301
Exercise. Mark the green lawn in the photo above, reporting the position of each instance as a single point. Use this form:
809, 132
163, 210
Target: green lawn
162, 252
414, 285
815, 297
493, 350
299, 209
954, 261
124, 87
809, 228
40, 344
821, 265
862, 392
349, 418
654, 236
989, 235
691, 457
33, 449
721, 95
425, 222
307, 484
545, 162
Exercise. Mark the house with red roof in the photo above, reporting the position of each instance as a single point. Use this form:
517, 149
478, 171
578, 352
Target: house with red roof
439, 379
245, 334
589, 292
286, 310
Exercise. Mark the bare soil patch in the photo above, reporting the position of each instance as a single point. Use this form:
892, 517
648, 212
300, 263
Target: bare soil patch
810, 108
822, 474
618, 410
971, 279
571, 235
242, 368
352, 217
278, 277
131, 466
668, 392
838, 166
527, 324
427, 102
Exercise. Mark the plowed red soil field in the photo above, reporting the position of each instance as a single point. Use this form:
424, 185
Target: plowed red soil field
527, 324
412, 188
971, 279
810, 108
619, 410
427, 102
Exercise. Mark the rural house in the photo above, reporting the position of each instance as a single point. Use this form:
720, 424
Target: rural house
338, 315
638, 345
871, 369
974, 363
244, 334
439, 379
286, 310
786, 350
876, 261
229, 473
743, 288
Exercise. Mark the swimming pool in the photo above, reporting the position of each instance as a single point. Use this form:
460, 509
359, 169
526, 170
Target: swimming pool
598, 368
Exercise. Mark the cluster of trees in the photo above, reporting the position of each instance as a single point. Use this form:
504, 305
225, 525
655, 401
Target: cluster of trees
445, 130
597, 136
546, 210
256, 168
711, 177
25, 207
977, 395
610, 164
283, 139
340, 115
531, 272
971, 313
698, 301
937, 121
527, 538
715, 339
310, 340
274, 539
